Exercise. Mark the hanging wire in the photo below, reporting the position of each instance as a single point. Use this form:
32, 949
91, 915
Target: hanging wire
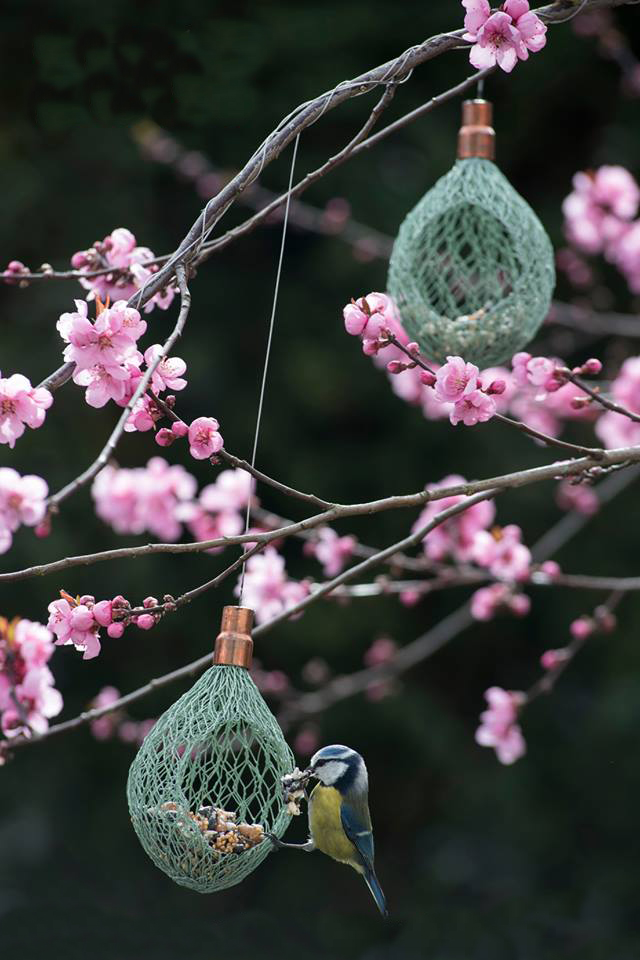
265, 368
480, 88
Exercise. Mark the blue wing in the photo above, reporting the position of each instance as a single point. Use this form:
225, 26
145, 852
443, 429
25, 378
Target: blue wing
358, 829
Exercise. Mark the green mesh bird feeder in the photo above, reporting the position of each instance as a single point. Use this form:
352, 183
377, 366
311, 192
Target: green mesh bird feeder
472, 268
204, 788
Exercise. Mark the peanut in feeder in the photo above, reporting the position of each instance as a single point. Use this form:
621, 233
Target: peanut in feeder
204, 788
472, 268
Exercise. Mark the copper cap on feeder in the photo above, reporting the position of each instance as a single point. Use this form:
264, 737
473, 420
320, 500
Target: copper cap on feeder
476, 137
234, 646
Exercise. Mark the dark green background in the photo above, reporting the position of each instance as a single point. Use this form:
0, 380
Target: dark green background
478, 861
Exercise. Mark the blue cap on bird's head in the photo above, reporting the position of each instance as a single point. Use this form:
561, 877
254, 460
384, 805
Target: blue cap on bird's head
339, 766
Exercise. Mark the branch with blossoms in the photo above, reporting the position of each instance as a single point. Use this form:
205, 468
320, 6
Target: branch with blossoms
459, 543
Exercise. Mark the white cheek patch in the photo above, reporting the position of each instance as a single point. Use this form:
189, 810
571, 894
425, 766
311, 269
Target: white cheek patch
329, 772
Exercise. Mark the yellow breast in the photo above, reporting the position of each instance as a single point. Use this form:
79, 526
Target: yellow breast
326, 827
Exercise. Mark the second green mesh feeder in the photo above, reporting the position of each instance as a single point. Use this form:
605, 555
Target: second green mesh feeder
204, 788
472, 268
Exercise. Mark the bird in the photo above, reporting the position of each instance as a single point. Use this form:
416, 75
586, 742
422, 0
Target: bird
339, 818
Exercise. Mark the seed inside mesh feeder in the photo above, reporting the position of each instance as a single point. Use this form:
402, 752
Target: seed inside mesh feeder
217, 826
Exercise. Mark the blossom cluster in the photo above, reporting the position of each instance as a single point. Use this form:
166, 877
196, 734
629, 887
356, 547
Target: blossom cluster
107, 361
331, 550
131, 268
21, 405
22, 501
267, 588
28, 696
217, 511
601, 218
499, 727
140, 499
116, 723
614, 429
76, 621
471, 537
533, 390
503, 37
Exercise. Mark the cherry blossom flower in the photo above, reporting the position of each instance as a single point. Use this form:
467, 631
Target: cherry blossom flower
599, 209
331, 550
498, 727
74, 624
204, 439
382, 650
497, 42
475, 407
21, 405
577, 496
306, 741
267, 588
455, 537
487, 601
503, 37
131, 269
22, 501
28, 698
169, 374
530, 27
502, 552
455, 379
614, 429
143, 498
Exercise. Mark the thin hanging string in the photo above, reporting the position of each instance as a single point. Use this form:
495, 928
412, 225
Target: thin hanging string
269, 341
480, 88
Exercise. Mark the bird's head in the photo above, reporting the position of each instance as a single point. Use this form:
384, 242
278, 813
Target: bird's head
339, 766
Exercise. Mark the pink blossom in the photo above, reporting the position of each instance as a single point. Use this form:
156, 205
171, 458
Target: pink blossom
22, 501
599, 209
614, 429
368, 317
497, 41
145, 621
535, 371
131, 269
144, 498
487, 601
204, 439
74, 625
498, 727
530, 27
103, 728
502, 552
455, 379
577, 496
169, 374
21, 405
331, 550
231, 491
455, 537
627, 256
551, 659
306, 741
477, 14
382, 650
475, 407
581, 628
28, 698
267, 588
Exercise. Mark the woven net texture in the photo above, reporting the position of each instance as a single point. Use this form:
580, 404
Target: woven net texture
472, 268
218, 745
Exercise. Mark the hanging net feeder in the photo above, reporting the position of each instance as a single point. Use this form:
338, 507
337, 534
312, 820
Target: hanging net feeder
204, 788
472, 268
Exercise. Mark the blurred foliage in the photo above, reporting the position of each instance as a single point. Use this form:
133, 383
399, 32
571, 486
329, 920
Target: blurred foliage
478, 861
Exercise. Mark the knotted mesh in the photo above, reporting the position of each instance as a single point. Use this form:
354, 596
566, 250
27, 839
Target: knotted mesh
472, 269
218, 746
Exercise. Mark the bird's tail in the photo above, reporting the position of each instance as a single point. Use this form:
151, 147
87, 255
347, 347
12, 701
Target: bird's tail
376, 892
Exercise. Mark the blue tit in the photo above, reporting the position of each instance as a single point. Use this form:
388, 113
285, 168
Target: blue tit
339, 818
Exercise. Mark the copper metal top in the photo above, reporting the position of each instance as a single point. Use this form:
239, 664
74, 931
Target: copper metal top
234, 646
476, 137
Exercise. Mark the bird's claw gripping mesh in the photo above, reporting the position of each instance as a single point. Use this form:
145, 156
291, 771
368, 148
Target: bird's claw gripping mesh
472, 268
218, 745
